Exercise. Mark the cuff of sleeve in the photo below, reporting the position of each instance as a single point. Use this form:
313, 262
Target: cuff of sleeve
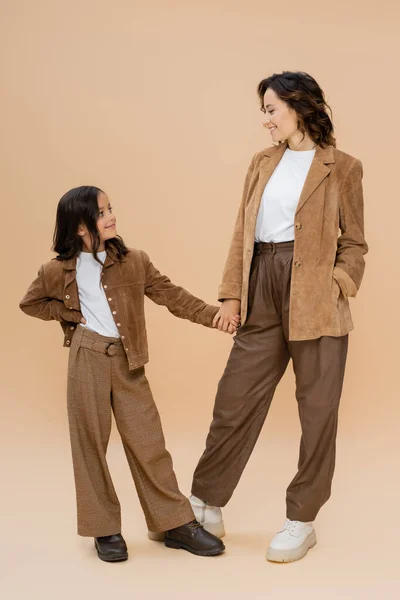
71, 316
209, 314
231, 291
346, 284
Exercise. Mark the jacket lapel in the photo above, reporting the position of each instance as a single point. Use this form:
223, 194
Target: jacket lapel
317, 173
268, 163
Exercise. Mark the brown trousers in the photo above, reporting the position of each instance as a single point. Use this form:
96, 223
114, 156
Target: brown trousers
99, 382
258, 360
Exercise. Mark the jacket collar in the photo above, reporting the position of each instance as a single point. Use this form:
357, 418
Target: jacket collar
111, 258
324, 155
317, 173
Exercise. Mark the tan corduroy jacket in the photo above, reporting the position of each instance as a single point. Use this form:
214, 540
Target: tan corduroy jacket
328, 264
54, 295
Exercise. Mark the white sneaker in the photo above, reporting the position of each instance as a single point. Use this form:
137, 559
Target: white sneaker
292, 542
208, 516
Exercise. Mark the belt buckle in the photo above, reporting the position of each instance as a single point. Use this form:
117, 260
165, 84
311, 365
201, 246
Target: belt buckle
111, 350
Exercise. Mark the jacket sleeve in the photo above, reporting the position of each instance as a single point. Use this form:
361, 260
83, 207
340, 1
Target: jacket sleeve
36, 303
179, 302
350, 263
231, 286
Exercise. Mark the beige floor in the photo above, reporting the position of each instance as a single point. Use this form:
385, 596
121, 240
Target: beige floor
357, 555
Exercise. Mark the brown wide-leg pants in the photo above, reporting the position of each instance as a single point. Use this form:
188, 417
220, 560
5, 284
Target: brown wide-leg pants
258, 360
99, 382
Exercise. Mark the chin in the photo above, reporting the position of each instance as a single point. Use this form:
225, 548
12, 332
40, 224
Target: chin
110, 236
277, 139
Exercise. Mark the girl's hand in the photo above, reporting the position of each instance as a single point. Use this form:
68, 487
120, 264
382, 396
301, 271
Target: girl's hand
83, 320
234, 324
227, 318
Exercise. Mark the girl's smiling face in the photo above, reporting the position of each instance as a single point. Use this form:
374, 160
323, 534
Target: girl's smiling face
106, 221
106, 224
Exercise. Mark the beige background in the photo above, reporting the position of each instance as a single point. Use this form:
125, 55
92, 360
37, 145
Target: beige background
155, 102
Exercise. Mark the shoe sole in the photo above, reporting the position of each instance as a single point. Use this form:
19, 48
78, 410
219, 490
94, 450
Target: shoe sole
182, 546
286, 556
116, 559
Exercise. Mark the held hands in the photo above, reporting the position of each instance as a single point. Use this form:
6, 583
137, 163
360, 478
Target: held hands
227, 318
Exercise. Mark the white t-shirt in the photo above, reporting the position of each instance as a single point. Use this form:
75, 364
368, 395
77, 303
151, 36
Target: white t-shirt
275, 220
94, 304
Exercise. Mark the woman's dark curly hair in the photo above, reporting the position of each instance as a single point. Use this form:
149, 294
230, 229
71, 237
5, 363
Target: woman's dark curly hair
303, 94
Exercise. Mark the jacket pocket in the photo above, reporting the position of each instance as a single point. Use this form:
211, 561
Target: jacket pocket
336, 291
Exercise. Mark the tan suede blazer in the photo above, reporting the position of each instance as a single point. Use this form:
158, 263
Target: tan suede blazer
53, 295
328, 264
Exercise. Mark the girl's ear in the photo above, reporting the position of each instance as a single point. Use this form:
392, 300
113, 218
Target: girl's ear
82, 230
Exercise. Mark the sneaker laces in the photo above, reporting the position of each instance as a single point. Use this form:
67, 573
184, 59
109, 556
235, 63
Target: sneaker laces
289, 525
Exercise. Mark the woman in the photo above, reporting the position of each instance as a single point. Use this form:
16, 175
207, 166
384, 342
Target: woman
290, 276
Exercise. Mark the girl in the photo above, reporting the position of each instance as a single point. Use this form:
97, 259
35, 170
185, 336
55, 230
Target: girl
95, 288
290, 276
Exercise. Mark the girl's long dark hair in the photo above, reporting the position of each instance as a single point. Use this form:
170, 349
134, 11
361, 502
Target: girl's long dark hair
302, 93
76, 207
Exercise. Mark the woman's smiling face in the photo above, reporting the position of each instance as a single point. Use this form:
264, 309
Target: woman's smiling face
278, 117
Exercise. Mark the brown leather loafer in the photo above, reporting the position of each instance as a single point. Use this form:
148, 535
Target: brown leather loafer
111, 548
193, 538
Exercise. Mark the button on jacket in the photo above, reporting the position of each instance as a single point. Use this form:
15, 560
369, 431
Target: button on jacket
54, 295
328, 265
